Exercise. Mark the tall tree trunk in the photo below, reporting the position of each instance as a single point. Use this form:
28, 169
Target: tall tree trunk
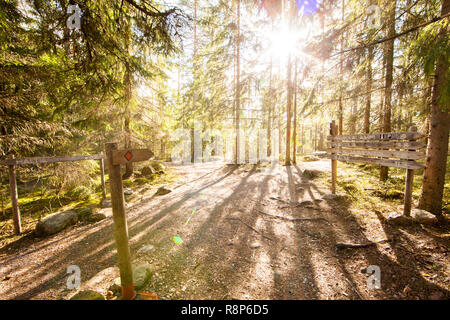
127, 82
269, 113
389, 53
288, 112
437, 150
238, 84
401, 92
194, 95
341, 106
294, 138
369, 89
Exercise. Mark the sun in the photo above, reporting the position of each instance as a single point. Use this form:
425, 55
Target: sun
288, 40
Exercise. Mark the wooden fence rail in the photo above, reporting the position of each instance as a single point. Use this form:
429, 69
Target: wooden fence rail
12, 163
394, 149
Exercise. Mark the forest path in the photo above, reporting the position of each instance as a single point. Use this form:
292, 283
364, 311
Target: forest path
240, 242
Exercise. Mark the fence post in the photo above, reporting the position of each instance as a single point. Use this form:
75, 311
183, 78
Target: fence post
102, 172
14, 199
333, 132
120, 225
409, 185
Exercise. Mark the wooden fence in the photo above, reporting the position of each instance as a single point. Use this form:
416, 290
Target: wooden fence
12, 163
394, 149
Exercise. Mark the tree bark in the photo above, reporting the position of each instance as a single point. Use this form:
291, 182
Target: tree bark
238, 84
341, 107
294, 139
369, 89
389, 53
288, 112
437, 150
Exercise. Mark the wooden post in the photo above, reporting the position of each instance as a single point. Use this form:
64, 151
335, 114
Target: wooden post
120, 225
409, 186
102, 172
14, 199
333, 132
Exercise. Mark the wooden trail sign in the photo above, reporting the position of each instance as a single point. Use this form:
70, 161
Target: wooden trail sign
393, 149
133, 155
115, 158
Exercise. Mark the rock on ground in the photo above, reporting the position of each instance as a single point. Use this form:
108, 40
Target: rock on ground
162, 191
158, 167
106, 203
141, 275
423, 216
399, 218
56, 222
255, 245
146, 249
101, 215
147, 171
88, 295
311, 174
329, 196
84, 213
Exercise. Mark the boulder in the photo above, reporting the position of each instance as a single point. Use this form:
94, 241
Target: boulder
88, 295
56, 222
399, 218
84, 213
146, 249
329, 196
158, 167
311, 174
424, 217
147, 171
162, 191
141, 275
100, 215
102, 280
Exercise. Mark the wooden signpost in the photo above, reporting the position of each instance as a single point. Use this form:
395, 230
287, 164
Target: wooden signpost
115, 158
394, 149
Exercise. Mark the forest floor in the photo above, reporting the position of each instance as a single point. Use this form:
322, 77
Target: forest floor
243, 242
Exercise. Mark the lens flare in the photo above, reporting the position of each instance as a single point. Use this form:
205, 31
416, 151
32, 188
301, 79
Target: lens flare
308, 7
177, 240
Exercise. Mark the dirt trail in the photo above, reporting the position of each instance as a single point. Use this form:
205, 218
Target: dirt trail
235, 246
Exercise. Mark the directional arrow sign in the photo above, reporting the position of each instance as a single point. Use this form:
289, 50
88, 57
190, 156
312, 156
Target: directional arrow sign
132, 155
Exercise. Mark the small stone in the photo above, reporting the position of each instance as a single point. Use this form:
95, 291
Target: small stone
106, 203
423, 216
329, 196
141, 275
97, 217
162, 191
146, 249
158, 167
305, 203
88, 295
147, 171
255, 245
398, 218
115, 288
127, 192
